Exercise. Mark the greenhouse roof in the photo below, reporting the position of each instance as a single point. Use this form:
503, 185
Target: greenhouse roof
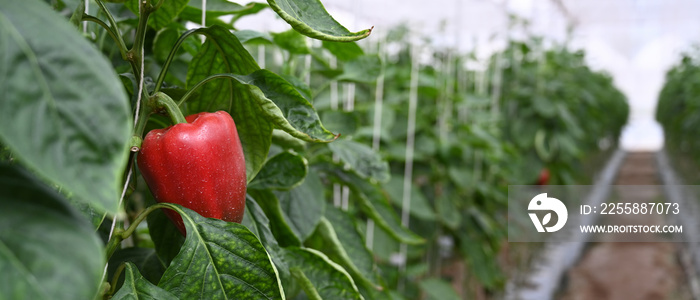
636, 41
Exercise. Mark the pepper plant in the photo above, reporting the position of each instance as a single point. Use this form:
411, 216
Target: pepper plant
676, 112
83, 87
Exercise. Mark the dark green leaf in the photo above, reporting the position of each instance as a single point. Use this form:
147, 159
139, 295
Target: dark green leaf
220, 260
283, 171
362, 159
63, 112
218, 8
47, 249
278, 222
447, 212
337, 237
291, 41
136, 287
165, 235
164, 15
320, 277
145, 259
303, 206
259, 224
310, 18
165, 40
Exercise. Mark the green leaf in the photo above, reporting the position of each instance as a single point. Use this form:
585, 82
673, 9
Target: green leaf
63, 112
256, 221
364, 69
344, 51
303, 206
283, 171
285, 107
137, 287
165, 40
343, 122
480, 255
252, 36
438, 289
287, 141
420, 207
164, 15
257, 102
291, 41
78, 13
362, 159
220, 260
320, 277
166, 237
337, 237
447, 211
47, 249
375, 204
218, 8
278, 222
310, 18
144, 259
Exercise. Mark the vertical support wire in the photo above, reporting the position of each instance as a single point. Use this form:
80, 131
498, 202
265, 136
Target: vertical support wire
261, 56
408, 169
87, 11
349, 106
204, 13
337, 193
377, 130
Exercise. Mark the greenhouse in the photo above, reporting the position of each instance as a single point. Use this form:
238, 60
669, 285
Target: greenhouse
327, 149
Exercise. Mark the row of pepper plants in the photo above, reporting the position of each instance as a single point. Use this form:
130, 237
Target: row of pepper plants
676, 112
94, 207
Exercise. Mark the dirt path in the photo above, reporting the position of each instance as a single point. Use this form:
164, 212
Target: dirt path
639, 271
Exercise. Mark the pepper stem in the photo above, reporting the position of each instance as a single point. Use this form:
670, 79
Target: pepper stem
163, 101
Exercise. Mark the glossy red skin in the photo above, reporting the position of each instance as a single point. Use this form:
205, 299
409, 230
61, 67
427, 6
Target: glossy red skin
199, 165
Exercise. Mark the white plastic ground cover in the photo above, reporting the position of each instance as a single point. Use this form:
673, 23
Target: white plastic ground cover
676, 192
556, 258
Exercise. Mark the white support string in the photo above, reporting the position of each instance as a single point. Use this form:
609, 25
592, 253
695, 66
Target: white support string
496, 86
408, 168
204, 13
446, 114
261, 56
376, 131
87, 11
337, 192
348, 105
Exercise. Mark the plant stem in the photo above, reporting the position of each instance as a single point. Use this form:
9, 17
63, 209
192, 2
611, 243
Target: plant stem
163, 101
170, 58
115, 278
115, 28
114, 34
120, 235
135, 54
200, 84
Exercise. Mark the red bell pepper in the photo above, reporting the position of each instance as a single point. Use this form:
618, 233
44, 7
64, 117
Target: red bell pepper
199, 165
